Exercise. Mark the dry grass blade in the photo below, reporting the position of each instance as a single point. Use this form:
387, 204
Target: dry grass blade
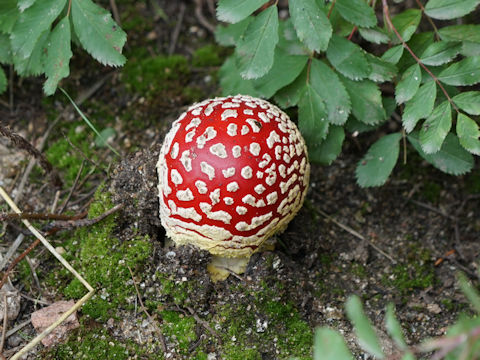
356, 234
50, 248
152, 321
23, 144
5, 322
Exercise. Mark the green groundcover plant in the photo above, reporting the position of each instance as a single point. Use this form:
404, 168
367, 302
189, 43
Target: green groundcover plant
461, 341
36, 37
310, 58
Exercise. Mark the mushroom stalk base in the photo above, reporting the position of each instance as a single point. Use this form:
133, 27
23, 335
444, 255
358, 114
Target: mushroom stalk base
220, 267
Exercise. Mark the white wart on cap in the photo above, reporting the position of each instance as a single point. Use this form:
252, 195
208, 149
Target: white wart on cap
232, 172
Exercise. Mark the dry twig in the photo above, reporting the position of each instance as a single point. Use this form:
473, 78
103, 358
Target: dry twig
176, 31
50, 248
201, 18
152, 321
5, 322
22, 143
357, 235
203, 323
83, 96
75, 183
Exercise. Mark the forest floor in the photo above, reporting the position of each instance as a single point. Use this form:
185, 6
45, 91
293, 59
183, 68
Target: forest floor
402, 243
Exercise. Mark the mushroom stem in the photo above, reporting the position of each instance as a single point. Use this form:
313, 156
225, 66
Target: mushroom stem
220, 267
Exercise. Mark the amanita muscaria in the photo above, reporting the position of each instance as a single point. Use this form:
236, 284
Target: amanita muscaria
232, 172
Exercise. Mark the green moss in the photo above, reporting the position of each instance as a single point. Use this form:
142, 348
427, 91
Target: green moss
431, 191
182, 328
153, 75
178, 292
267, 323
473, 182
25, 274
95, 342
91, 344
193, 94
209, 55
104, 260
358, 270
68, 160
415, 272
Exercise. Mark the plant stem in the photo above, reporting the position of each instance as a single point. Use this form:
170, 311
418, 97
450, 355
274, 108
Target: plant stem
351, 34
331, 8
69, 7
435, 30
309, 65
415, 57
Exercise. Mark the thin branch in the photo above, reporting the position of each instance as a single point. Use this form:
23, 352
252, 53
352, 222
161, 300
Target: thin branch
159, 332
352, 33
69, 7
5, 322
429, 19
11, 250
386, 12
71, 224
404, 141
52, 250
203, 323
116, 14
176, 30
36, 216
21, 143
331, 8
357, 235
17, 260
201, 18
75, 183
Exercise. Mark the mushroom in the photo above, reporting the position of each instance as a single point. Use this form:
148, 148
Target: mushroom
232, 171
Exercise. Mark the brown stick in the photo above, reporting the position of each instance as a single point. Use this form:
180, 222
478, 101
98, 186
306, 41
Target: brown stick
159, 332
17, 260
116, 14
55, 227
176, 31
5, 322
429, 19
331, 8
35, 216
23, 144
201, 18
75, 183
386, 12
74, 223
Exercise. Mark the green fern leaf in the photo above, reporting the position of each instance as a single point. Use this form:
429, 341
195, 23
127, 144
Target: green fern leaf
449, 9
3, 81
31, 24
312, 117
58, 56
98, 33
348, 58
331, 90
420, 106
452, 158
366, 100
233, 11
436, 128
408, 84
378, 163
256, 47
9, 13
312, 25
468, 133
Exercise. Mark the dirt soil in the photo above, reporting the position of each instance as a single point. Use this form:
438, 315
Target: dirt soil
402, 243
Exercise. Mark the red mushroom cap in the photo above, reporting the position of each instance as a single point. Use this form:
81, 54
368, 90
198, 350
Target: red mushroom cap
232, 172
